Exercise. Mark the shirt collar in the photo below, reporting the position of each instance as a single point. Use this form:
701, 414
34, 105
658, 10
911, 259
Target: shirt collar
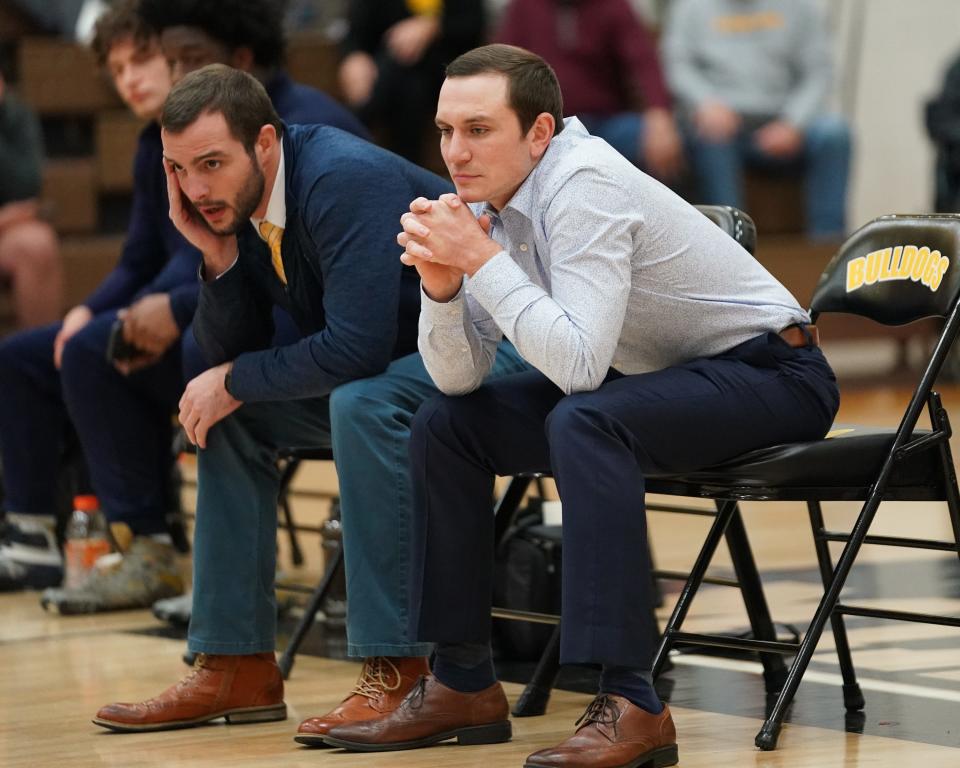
524, 198
277, 205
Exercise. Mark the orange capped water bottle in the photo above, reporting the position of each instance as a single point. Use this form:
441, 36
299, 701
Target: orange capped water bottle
86, 540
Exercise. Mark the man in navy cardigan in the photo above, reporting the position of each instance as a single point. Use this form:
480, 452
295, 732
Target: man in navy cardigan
302, 217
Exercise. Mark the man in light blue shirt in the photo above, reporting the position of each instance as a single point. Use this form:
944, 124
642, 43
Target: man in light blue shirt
659, 346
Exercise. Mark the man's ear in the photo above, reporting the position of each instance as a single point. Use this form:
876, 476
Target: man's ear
540, 134
242, 58
266, 140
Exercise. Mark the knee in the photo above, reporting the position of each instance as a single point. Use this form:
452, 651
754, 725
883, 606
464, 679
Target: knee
437, 418
572, 421
829, 133
31, 248
84, 352
353, 403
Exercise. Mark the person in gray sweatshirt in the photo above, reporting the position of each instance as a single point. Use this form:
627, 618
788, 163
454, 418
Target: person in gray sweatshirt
752, 79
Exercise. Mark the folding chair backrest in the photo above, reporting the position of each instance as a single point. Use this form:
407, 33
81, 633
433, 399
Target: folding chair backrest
894, 270
734, 222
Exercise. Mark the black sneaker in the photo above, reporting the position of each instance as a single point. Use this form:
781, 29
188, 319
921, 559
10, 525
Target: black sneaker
29, 555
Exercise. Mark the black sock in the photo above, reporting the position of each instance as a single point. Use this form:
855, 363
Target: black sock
465, 667
633, 684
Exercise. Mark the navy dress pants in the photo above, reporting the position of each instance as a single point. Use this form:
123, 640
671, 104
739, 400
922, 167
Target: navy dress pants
123, 423
600, 446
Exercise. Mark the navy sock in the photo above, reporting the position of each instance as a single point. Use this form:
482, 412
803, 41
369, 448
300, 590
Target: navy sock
633, 684
464, 667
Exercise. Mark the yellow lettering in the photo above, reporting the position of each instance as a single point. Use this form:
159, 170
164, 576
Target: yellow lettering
933, 265
855, 273
746, 23
886, 265
920, 265
873, 264
902, 262
906, 261
938, 273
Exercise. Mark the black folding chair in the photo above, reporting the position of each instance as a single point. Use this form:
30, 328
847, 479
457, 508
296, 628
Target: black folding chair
895, 270
290, 460
533, 701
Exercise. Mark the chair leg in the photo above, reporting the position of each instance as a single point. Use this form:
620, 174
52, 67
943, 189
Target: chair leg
533, 700
754, 601
767, 736
852, 695
310, 613
657, 590
283, 501
692, 584
940, 420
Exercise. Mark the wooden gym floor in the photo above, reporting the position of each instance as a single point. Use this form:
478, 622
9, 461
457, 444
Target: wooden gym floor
56, 671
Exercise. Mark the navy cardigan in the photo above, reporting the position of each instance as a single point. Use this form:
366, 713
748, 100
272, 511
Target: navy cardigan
354, 302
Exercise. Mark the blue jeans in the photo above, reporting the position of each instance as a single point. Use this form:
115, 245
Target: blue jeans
823, 161
368, 424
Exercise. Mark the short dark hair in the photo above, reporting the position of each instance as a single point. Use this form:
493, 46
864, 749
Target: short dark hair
238, 96
532, 86
120, 22
253, 24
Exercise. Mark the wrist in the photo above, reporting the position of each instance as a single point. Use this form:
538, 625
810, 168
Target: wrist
228, 379
482, 255
219, 260
441, 294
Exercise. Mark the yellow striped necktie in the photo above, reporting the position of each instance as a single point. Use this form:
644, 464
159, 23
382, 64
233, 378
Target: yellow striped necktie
273, 236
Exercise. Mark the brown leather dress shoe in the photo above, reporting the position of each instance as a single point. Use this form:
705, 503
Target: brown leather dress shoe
242, 689
382, 685
614, 733
429, 714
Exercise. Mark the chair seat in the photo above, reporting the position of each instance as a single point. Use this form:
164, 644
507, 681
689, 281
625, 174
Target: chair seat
842, 466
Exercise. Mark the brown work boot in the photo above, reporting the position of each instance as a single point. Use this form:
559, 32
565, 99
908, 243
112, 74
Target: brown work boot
614, 733
429, 714
382, 685
242, 689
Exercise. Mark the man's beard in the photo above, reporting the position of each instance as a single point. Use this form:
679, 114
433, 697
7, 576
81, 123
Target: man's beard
245, 203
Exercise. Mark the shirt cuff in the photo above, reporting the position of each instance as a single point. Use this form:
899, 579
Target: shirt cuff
442, 313
495, 280
203, 277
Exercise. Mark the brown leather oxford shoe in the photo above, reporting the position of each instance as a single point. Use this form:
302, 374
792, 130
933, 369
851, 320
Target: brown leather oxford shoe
383, 683
429, 714
614, 733
242, 689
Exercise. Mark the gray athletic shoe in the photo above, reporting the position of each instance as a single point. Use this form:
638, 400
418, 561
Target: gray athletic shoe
174, 610
145, 573
29, 555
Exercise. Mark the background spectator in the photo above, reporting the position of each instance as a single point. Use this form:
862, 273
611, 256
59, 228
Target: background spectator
29, 253
393, 61
752, 78
607, 65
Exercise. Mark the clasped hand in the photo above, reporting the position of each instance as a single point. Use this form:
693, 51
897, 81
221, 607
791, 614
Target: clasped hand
443, 240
